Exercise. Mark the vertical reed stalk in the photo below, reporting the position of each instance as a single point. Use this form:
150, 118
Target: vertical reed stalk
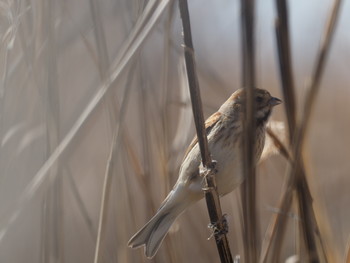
250, 216
208, 171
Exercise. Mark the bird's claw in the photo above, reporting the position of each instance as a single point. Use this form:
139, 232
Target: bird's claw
213, 164
219, 229
211, 170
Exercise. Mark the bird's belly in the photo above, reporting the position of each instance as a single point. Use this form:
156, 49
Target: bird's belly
229, 176
229, 171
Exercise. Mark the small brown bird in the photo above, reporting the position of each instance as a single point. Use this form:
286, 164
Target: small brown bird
224, 130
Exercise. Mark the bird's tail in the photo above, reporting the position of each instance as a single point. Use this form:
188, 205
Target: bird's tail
153, 233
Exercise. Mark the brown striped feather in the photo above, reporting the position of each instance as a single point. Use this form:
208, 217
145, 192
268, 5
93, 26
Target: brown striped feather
209, 124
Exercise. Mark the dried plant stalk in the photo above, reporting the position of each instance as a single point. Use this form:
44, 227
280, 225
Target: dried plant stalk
282, 149
250, 216
208, 171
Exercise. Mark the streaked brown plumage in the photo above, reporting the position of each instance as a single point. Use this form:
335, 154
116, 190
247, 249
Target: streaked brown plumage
224, 131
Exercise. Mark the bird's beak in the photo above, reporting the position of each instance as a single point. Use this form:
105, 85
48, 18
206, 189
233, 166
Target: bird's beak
274, 101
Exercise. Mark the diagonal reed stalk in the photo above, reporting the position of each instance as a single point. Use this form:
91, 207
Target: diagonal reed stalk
250, 216
282, 149
296, 176
208, 171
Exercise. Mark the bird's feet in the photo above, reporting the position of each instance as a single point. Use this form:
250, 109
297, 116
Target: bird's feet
219, 228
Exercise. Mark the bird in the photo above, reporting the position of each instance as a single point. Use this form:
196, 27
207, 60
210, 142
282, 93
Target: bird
224, 130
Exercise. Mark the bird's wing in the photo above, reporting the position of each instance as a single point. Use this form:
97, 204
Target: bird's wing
209, 124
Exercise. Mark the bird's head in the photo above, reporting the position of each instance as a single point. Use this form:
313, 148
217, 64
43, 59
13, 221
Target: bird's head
263, 101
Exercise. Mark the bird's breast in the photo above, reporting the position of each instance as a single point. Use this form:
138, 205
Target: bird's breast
227, 152
229, 169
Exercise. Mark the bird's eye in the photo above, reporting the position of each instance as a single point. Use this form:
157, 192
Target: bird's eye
259, 99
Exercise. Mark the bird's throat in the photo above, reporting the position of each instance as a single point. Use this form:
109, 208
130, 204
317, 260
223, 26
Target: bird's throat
261, 120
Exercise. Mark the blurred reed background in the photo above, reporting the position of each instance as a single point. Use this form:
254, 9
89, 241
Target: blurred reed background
94, 98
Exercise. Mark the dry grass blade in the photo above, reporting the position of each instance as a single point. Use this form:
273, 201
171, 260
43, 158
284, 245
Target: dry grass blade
211, 194
250, 237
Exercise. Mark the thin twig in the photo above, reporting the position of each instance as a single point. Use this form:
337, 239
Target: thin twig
250, 219
211, 195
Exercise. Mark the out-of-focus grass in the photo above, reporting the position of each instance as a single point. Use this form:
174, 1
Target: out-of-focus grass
157, 126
